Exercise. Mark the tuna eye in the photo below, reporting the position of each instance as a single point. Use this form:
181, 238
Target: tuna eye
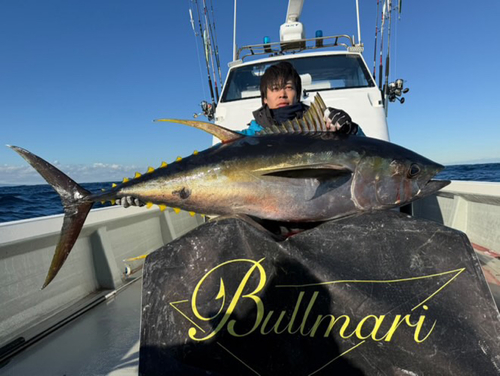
413, 171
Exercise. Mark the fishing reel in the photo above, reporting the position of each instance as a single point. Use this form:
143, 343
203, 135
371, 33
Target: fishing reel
207, 110
396, 90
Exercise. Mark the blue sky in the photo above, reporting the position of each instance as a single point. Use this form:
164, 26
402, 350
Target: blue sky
81, 81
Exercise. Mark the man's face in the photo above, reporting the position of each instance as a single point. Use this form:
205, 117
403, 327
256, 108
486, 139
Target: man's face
281, 96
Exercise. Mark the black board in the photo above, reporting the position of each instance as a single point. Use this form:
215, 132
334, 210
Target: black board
377, 294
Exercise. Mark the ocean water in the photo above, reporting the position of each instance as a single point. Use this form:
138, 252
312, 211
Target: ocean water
472, 172
31, 201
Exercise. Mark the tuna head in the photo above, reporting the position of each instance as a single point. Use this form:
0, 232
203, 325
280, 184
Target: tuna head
393, 178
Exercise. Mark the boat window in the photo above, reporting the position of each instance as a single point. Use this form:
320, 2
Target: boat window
318, 73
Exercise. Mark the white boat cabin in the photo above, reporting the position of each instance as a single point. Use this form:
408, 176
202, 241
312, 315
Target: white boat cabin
341, 77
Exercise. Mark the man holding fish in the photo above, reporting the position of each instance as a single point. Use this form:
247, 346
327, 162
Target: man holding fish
280, 89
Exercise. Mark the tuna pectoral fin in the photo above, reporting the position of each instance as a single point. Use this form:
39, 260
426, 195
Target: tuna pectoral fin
76, 207
326, 179
332, 183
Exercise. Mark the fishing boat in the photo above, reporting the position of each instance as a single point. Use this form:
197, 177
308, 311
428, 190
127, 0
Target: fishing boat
90, 314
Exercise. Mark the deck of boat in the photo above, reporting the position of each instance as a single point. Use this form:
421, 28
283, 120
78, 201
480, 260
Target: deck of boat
104, 341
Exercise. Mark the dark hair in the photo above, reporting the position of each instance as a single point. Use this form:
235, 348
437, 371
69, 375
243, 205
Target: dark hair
279, 74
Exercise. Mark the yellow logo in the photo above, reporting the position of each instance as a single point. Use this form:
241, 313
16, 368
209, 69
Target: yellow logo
368, 328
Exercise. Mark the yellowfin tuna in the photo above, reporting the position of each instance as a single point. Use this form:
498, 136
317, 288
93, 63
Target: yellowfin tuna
296, 172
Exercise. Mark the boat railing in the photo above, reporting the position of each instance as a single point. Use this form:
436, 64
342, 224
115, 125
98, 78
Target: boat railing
298, 45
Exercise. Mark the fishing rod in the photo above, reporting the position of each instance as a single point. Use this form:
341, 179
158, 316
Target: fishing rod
382, 23
209, 109
387, 58
391, 91
396, 89
215, 43
209, 57
197, 49
208, 46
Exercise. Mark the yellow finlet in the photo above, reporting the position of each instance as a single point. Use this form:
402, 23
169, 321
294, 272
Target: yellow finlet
150, 170
125, 180
103, 202
178, 159
195, 152
113, 202
113, 185
192, 214
162, 207
149, 205
137, 175
163, 164
103, 190
177, 210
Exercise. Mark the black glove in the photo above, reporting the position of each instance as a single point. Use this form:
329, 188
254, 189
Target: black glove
339, 121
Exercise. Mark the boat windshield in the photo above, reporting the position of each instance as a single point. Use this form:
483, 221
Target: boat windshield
318, 73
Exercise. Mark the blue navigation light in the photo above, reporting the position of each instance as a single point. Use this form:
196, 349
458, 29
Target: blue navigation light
319, 42
267, 40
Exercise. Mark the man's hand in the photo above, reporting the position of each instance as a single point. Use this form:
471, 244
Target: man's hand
337, 121
129, 201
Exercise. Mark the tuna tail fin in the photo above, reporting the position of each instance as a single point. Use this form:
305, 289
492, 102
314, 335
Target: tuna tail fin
76, 207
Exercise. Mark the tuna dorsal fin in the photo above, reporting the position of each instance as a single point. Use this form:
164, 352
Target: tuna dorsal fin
310, 123
223, 134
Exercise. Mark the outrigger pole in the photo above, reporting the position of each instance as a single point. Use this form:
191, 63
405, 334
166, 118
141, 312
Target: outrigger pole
375, 47
234, 33
359, 26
